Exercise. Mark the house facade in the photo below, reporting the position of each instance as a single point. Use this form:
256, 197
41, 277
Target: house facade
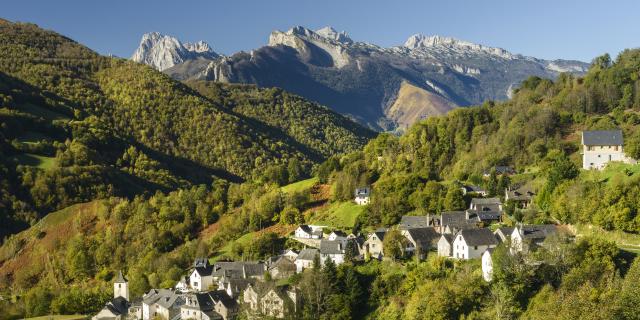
445, 245
472, 243
362, 196
305, 259
201, 277
601, 147
373, 245
487, 265
333, 250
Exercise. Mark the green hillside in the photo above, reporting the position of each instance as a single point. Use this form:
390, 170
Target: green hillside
77, 126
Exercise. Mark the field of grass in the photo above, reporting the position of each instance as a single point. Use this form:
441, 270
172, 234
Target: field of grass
34, 160
65, 215
300, 185
226, 250
625, 241
60, 317
613, 172
341, 215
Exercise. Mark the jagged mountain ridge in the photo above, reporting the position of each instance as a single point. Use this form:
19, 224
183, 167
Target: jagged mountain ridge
163, 52
364, 81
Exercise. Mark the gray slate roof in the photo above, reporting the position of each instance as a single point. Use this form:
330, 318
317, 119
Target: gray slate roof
332, 247
307, 254
118, 306
538, 232
239, 269
602, 138
164, 297
410, 222
363, 192
424, 237
485, 201
457, 220
503, 232
448, 237
479, 237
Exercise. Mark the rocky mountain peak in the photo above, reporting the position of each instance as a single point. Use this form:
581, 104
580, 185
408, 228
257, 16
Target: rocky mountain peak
162, 51
199, 47
331, 33
420, 41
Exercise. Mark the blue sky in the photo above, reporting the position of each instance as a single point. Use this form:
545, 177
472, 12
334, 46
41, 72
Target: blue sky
545, 29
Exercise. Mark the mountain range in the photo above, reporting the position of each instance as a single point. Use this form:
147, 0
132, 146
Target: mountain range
383, 88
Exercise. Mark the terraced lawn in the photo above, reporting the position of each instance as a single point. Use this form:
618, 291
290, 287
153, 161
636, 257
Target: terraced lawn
340, 215
300, 185
614, 171
34, 160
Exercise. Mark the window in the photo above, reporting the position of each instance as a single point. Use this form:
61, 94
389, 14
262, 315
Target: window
475, 247
615, 148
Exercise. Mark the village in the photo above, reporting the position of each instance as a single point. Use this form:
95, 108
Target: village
227, 289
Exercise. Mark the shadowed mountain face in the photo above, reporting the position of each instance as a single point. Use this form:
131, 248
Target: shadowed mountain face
365, 81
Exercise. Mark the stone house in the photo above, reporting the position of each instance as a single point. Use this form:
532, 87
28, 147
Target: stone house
373, 245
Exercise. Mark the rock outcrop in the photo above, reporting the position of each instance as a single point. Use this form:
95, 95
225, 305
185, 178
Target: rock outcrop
163, 52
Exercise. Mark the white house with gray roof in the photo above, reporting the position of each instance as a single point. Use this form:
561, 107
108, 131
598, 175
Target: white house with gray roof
601, 147
305, 258
472, 243
305, 231
333, 250
362, 196
201, 276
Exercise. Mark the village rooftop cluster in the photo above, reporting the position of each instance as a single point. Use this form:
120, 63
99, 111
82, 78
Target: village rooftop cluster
224, 289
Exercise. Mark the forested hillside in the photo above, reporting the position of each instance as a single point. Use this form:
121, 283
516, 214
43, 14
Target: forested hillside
77, 126
537, 133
